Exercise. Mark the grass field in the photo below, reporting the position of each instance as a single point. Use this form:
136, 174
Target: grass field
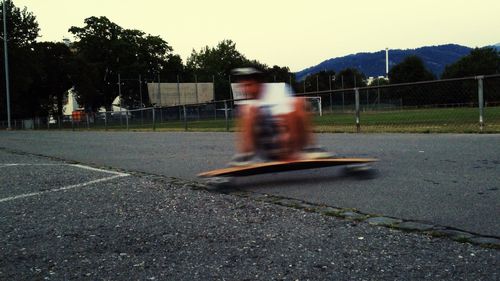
447, 120
441, 120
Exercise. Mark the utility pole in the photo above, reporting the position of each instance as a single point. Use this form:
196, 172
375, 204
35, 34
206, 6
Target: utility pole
140, 90
230, 90
196, 87
6, 57
140, 96
159, 91
387, 63
120, 96
179, 91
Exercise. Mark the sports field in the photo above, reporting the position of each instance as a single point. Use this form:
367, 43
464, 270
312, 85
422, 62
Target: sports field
443, 120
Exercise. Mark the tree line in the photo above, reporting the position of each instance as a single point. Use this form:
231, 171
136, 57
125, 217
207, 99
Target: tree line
101, 54
104, 53
480, 61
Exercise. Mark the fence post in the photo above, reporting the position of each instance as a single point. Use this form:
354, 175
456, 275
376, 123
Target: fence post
88, 123
72, 123
126, 117
178, 90
481, 101
48, 123
331, 103
225, 115
185, 118
215, 110
154, 119
59, 122
320, 107
367, 100
105, 120
142, 117
330, 83
378, 94
356, 95
342, 83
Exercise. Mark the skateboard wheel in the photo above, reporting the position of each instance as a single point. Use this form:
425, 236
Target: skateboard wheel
220, 181
358, 168
363, 171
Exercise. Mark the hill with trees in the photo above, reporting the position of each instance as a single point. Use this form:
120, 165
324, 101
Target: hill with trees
435, 58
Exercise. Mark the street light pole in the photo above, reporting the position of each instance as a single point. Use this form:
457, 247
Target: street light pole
140, 96
7, 86
120, 96
140, 90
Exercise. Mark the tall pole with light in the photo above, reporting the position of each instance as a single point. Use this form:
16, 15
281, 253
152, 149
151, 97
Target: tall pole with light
6, 60
387, 63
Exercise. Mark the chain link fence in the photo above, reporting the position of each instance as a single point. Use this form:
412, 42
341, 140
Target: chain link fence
465, 105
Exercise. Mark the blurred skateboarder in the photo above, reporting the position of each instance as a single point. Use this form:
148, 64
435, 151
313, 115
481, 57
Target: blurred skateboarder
273, 124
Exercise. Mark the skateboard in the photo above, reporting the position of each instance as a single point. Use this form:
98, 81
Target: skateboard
353, 166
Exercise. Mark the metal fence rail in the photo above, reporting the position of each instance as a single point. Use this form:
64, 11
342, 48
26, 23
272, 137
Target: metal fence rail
465, 105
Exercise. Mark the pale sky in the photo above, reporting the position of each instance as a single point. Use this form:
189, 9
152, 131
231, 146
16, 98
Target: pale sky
297, 34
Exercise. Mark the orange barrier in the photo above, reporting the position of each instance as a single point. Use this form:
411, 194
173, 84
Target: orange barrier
77, 115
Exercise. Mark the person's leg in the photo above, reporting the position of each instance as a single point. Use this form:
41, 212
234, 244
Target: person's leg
246, 142
245, 139
300, 121
305, 144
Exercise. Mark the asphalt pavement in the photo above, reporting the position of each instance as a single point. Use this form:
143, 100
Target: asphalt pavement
62, 220
444, 179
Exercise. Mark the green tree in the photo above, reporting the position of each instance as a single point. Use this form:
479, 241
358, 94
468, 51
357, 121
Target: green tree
350, 78
218, 60
106, 50
22, 27
53, 77
216, 63
411, 69
318, 81
22, 31
480, 61
279, 74
379, 82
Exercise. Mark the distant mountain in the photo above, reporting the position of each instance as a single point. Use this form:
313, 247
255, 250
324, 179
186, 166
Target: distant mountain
496, 46
373, 64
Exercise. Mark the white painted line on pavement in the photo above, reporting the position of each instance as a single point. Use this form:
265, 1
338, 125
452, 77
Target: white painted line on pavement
97, 170
28, 164
72, 165
62, 188
7, 165
116, 175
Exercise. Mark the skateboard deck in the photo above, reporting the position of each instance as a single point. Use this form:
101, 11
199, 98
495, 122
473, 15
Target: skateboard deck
283, 166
